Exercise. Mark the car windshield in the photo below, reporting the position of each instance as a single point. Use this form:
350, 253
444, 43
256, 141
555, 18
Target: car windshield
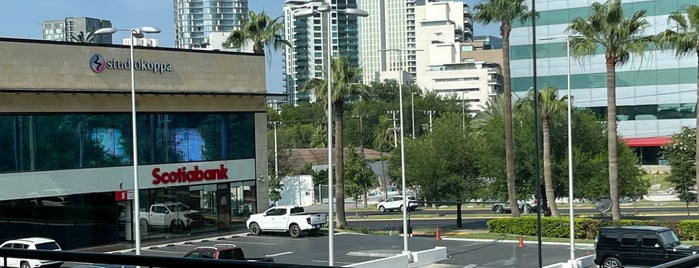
669, 238
48, 246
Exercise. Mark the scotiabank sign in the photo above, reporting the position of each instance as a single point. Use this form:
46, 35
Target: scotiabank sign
182, 175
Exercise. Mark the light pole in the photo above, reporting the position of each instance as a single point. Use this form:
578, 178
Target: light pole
276, 159
412, 109
570, 151
134, 33
402, 148
304, 12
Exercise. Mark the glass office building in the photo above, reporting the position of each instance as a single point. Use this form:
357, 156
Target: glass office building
196, 20
656, 92
65, 124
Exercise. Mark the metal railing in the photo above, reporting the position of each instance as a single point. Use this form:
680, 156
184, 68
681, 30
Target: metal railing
134, 260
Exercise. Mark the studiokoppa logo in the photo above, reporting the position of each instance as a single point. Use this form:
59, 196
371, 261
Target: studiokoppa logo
97, 63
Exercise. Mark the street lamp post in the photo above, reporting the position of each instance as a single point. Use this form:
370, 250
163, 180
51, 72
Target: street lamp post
402, 148
570, 150
412, 108
304, 12
134, 33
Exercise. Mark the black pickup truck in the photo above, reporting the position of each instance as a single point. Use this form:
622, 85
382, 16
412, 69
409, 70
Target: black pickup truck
223, 252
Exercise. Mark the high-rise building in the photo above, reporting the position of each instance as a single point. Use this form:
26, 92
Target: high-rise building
79, 30
305, 59
394, 25
655, 93
195, 20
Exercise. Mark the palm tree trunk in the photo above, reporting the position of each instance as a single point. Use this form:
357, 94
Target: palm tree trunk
548, 181
339, 167
612, 139
509, 152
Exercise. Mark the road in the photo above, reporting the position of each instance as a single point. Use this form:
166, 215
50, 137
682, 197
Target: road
354, 248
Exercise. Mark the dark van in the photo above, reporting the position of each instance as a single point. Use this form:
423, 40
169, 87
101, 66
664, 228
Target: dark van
638, 246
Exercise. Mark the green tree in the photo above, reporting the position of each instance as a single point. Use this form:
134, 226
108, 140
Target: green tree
452, 178
345, 88
619, 36
681, 154
551, 108
359, 177
683, 38
505, 12
261, 30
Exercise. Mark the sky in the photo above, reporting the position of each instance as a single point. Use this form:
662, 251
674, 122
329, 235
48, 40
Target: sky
22, 19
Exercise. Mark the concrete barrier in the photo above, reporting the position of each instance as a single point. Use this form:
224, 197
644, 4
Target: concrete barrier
420, 259
427, 257
400, 260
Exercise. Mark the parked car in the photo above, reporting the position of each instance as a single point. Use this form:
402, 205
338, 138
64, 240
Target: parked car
638, 246
396, 203
223, 252
30, 243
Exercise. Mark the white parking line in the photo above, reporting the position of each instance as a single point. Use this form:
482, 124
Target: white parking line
253, 243
279, 254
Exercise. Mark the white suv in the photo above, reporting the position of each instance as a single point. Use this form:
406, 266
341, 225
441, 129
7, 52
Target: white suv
31, 243
396, 203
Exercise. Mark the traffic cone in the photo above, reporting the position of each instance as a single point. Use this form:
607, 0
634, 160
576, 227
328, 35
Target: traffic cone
437, 235
521, 241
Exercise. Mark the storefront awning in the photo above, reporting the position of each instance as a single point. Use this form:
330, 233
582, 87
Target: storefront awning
646, 142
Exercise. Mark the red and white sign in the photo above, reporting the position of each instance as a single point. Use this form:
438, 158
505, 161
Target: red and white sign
121, 195
183, 176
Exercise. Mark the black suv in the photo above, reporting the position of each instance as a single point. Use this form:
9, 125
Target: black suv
638, 245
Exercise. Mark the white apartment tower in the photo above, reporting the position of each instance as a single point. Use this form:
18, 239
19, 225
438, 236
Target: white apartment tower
305, 59
444, 30
395, 25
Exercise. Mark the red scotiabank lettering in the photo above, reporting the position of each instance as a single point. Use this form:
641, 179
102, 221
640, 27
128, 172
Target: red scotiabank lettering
182, 175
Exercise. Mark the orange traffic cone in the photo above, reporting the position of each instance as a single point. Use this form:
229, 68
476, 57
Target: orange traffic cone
437, 235
521, 241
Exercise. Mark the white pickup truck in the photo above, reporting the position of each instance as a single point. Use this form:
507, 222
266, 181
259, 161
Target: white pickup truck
286, 219
169, 215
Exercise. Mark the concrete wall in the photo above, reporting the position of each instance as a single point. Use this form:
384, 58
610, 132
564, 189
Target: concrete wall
50, 66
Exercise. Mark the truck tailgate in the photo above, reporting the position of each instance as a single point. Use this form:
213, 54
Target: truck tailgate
317, 218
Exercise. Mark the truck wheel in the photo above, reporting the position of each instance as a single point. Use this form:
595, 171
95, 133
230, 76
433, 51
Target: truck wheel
255, 229
144, 226
177, 226
611, 262
294, 231
24, 264
313, 232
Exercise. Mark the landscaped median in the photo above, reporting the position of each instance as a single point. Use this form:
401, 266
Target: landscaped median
585, 228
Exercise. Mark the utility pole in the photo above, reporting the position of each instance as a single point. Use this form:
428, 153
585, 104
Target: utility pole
395, 128
430, 113
361, 147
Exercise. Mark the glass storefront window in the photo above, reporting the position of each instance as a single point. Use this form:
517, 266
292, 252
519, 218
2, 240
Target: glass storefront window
71, 141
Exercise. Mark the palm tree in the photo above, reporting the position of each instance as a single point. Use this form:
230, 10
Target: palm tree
82, 38
683, 38
550, 106
259, 29
619, 36
345, 87
505, 11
